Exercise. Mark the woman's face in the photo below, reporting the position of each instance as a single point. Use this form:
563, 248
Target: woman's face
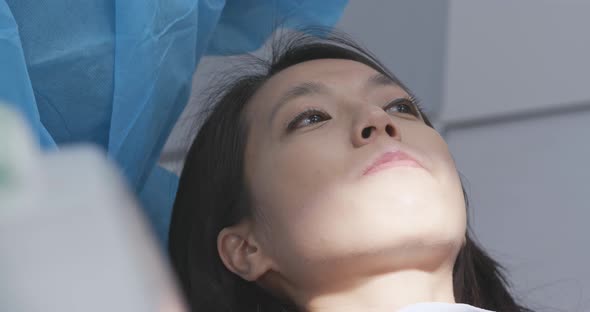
324, 219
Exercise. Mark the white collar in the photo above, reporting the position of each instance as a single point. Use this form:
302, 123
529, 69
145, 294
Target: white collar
441, 307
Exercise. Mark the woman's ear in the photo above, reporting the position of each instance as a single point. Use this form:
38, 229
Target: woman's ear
241, 253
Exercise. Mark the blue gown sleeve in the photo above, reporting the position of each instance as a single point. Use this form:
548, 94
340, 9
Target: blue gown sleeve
118, 73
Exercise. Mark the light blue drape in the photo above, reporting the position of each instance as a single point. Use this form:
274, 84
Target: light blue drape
118, 73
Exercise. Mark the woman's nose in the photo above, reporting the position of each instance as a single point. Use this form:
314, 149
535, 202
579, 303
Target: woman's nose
372, 125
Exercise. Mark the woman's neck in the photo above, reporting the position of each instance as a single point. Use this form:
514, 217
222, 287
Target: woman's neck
388, 292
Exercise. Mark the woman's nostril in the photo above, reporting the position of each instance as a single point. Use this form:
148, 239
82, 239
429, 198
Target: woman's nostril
366, 133
389, 130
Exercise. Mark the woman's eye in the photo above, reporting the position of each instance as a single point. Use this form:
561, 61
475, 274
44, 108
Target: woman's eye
403, 106
306, 118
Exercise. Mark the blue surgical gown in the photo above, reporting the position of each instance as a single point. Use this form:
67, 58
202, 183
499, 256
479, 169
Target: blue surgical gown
118, 73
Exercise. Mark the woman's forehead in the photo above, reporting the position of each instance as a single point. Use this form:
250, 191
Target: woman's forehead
335, 74
325, 70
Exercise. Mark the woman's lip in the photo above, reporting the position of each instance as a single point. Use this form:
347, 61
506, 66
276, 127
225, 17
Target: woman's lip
391, 159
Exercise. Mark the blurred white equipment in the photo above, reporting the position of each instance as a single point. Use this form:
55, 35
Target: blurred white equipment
71, 236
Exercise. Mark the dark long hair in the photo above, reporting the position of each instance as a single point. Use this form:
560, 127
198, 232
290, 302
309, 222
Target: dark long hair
212, 192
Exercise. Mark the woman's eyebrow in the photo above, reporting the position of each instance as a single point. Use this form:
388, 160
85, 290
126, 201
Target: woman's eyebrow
380, 80
300, 90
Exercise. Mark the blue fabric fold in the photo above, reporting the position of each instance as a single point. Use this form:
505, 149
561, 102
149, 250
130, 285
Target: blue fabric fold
118, 73
15, 84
